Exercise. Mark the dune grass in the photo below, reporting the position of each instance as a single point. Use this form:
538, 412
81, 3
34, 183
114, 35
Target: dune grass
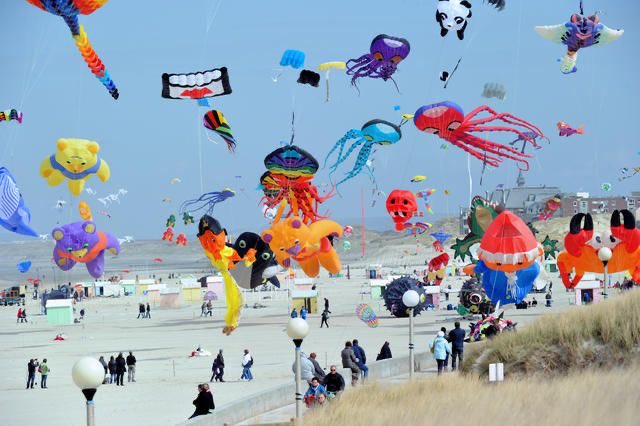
593, 397
603, 335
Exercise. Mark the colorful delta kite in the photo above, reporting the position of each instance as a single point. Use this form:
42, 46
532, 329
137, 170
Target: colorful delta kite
69, 11
374, 132
12, 114
81, 242
14, 215
437, 266
207, 201
393, 297
366, 314
447, 121
213, 238
310, 246
214, 120
290, 171
382, 61
292, 58
580, 32
199, 85
75, 160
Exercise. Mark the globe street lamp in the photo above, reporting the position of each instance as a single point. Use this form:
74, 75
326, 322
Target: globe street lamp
605, 254
88, 374
297, 329
411, 298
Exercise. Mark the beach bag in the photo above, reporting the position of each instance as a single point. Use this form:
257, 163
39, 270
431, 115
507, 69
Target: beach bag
433, 346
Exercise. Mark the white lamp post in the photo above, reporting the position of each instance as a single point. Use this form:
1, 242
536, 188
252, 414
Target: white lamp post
297, 329
411, 298
88, 374
605, 254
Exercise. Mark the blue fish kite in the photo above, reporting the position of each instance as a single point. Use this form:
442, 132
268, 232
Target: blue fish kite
14, 215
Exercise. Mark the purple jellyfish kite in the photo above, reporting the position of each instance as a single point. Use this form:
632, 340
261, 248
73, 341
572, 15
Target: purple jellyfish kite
382, 61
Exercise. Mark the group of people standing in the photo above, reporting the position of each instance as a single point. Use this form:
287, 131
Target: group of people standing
206, 309
116, 367
22, 315
144, 312
34, 366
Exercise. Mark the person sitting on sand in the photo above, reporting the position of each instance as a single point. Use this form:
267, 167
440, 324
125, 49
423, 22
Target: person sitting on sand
203, 402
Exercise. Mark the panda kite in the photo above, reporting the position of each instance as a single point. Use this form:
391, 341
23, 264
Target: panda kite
452, 15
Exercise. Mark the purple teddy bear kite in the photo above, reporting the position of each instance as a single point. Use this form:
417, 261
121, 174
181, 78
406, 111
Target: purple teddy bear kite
81, 242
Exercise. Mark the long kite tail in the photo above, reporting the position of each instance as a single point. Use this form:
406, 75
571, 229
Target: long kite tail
93, 61
234, 303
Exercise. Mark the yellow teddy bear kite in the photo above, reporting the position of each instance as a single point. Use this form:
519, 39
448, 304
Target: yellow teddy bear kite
75, 160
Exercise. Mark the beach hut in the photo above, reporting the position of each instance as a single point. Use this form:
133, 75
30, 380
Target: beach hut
191, 290
170, 297
143, 285
373, 271
306, 298
59, 311
108, 289
432, 295
128, 286
588, 290
377, 286
153, 292
213, 283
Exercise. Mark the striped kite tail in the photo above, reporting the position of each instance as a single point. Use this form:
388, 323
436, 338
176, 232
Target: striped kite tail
93, 61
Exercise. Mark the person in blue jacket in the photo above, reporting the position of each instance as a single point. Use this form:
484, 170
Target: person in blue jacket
440, 348
361, 357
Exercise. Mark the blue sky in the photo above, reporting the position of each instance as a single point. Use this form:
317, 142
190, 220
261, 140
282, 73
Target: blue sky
148, 140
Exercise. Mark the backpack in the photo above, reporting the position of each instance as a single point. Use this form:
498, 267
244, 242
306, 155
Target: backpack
250, 363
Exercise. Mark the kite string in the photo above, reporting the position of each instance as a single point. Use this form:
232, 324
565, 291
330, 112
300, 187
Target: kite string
470, 179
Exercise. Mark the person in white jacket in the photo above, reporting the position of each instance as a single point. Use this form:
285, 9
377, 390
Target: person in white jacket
307, 369
247, 363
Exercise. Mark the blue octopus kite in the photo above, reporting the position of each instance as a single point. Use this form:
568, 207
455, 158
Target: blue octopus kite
374, 132
207, 201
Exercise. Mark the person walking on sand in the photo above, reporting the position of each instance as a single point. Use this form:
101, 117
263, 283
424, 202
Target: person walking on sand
24, 314
326, 304
131, 365
446, 336
440, 348
19, 315
362, 359
113, 376
456, 337
141, 312
121, 368
303, 313
247, 363
325, 317
31, 373
209, 308
218, 364
44, 372
203, 309
349, 361
148, 311
294, 313
203, 402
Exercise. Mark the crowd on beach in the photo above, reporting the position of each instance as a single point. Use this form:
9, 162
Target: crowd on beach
115, 368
